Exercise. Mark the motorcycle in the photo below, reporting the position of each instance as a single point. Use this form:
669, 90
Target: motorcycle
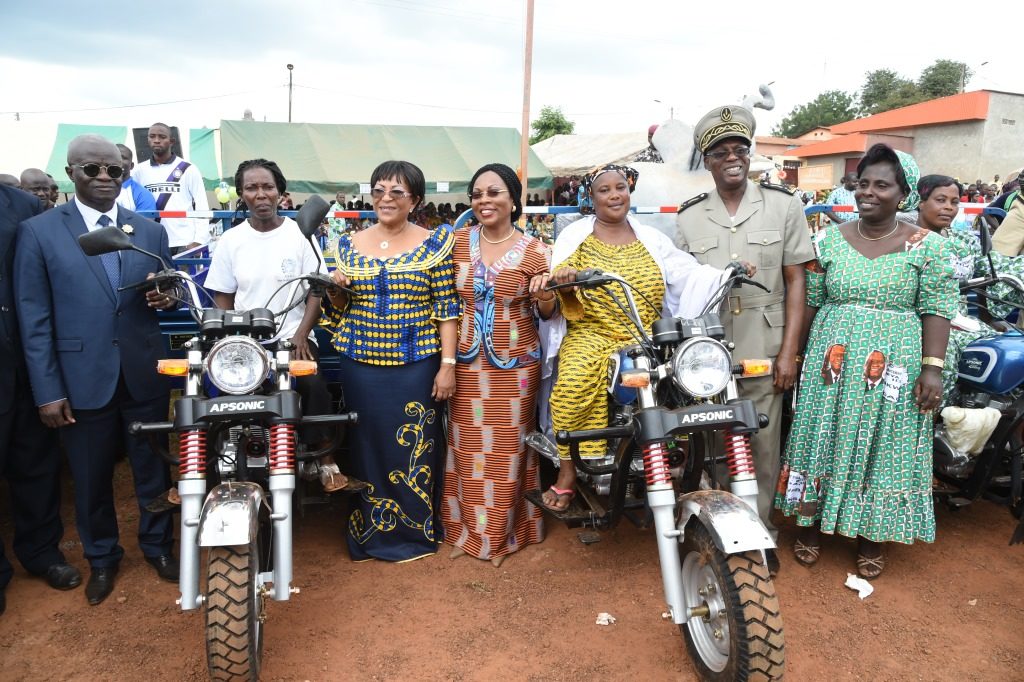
245, 440
989, 388
671, 393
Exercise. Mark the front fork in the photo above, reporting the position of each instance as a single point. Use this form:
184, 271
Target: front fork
661, 497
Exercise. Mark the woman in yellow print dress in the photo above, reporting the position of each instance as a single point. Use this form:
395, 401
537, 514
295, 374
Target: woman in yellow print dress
590, 329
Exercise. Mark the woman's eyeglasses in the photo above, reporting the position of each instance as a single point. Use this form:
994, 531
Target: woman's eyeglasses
396, 194
722, 154
490, 193
92, 170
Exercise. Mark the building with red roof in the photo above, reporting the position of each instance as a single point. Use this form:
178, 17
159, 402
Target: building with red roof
970, 135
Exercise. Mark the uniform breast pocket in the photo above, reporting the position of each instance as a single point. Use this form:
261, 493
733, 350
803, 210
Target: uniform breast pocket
704, 249
766, 247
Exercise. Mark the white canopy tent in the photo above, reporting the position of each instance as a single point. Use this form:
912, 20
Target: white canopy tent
566, 155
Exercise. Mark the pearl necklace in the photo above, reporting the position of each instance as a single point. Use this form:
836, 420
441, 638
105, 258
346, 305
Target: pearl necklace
384, 244
503, 239
896, 226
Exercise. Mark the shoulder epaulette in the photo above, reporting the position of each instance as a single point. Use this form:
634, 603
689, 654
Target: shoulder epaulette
693, 201
777, 188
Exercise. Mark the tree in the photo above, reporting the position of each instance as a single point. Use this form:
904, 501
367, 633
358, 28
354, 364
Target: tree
943, 78
828, 108
883, 88
551, 122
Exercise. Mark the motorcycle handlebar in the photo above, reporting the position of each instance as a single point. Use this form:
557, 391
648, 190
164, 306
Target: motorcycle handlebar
319, 283
159, 279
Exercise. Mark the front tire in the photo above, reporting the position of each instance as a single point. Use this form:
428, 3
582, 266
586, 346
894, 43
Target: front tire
234, 613
741, 637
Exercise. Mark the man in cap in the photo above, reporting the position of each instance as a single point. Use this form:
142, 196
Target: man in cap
763, 224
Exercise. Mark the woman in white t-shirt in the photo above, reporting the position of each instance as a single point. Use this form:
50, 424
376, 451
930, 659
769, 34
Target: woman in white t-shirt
252, 261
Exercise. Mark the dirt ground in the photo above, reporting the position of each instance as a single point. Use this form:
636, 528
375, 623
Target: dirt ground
953, 610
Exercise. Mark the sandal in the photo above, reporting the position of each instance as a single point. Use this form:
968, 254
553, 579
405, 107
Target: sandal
807, 555
559, 492
870, 568
334, 481
167, 501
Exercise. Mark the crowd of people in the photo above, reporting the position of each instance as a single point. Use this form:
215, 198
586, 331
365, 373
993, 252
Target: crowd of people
857, 319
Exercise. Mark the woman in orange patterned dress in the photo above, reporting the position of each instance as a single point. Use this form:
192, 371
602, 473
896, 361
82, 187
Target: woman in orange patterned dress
500, 275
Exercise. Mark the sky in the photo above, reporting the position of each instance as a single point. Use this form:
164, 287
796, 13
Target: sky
460, 63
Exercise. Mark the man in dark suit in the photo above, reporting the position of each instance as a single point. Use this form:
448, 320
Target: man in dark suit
92, 351
29, 455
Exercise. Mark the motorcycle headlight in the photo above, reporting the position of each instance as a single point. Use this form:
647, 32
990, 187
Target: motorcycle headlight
701, 367
237, 365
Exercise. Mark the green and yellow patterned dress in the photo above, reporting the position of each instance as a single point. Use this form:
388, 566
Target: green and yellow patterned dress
859, 455
968, 261
595, 328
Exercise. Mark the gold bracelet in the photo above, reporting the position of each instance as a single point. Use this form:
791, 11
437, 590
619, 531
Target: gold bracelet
798, 358
933, 361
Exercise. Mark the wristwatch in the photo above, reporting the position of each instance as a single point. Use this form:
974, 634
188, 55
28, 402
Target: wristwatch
448, 361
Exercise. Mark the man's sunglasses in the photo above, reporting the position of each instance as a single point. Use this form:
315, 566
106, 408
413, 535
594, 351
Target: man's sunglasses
91, 170
722, 154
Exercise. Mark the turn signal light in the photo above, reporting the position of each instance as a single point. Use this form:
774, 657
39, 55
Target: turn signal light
756, 368
302, 368
177, 367
635, 379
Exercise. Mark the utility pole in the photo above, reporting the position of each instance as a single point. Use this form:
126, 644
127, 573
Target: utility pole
290, 67
524, 142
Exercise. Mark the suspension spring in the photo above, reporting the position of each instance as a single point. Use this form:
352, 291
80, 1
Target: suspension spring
192, 453
282, 448
656, 467
739, 456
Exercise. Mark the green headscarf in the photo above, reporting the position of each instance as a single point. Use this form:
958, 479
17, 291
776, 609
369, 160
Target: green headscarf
912, 174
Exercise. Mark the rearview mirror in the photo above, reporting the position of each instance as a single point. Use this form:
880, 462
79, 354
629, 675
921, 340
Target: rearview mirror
312, 213
105, 240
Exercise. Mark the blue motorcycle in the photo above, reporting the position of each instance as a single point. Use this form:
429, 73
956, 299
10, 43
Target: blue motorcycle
990, 378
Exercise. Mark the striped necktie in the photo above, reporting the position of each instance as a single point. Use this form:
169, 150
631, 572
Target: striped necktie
111, 261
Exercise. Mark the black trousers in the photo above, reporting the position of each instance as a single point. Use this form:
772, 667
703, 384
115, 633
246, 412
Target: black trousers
93, 443
30, 461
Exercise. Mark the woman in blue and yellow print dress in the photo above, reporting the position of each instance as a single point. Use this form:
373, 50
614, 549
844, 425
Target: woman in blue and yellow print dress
881, 293
397, 340
500, 273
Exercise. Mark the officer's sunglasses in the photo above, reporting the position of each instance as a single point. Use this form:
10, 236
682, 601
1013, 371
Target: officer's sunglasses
722, 154
92, 170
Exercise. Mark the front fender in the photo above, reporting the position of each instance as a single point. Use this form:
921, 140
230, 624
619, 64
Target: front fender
733, 525
231, 515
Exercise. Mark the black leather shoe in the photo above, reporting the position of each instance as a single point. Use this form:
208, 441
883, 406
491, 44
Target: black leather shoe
166, 567
772, 560
63, 576
100, 585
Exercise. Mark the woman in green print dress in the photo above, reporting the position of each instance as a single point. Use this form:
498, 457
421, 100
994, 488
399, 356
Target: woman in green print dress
858, 460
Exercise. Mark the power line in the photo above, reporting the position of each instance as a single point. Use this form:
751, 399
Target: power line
134, 106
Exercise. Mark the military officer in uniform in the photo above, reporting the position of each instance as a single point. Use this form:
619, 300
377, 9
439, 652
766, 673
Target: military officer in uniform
765, 225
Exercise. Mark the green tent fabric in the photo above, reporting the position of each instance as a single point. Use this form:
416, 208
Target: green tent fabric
59, 154
202, 153
327, 158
